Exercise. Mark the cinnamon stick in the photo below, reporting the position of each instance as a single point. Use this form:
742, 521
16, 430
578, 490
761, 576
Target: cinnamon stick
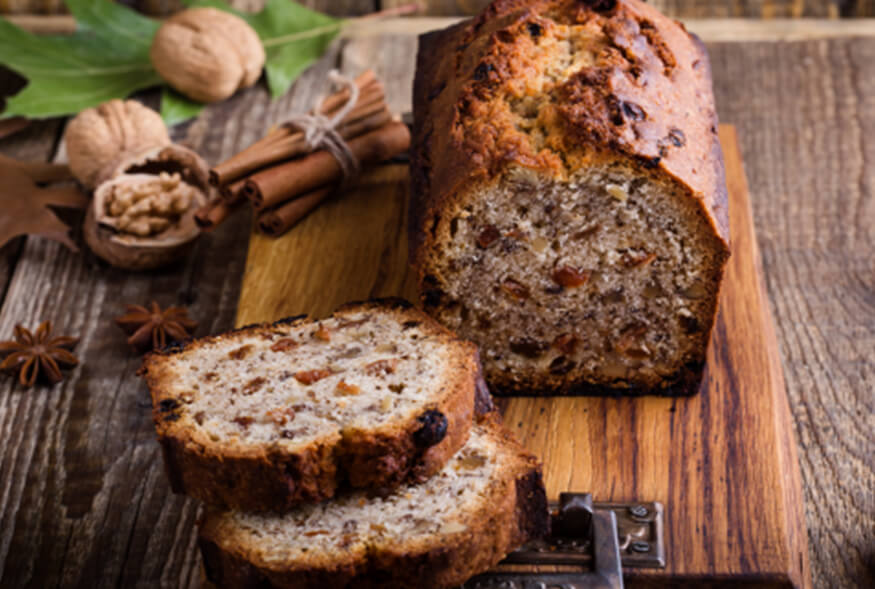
360, 120
335, 101
366, 124
285, 181
286, 142
232, 193
211, 215
277, 221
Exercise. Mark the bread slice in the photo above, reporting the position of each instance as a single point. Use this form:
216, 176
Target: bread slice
570, 213
488, 500
268, 416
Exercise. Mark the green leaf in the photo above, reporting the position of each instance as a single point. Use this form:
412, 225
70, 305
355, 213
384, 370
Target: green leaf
176, 108
107, 57
293, 36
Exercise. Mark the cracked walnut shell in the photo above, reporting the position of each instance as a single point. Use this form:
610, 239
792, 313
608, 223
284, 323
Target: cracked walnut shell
207, 54
100, 137
143, 216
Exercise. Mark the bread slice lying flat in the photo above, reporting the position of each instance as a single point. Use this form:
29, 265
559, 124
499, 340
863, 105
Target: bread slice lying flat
488, 500
268, 416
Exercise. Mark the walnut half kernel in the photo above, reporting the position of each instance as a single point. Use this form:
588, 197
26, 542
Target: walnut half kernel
143, 216
618, 192
452, 528
147, 205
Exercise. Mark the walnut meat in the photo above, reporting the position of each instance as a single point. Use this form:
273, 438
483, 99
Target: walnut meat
207, 54
146, 205
97, 139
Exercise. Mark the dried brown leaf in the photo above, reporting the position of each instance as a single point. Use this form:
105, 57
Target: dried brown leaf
25, 205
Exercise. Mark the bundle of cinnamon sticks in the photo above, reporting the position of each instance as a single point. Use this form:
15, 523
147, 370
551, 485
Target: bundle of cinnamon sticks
284, 180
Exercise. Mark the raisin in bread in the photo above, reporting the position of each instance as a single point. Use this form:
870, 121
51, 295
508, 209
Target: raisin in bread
570, 210
488, 500
268, 416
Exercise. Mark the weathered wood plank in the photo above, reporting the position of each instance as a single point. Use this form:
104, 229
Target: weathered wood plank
676, 8
83, 498
343, 7
58, 24
696, 8
335, 7
710, 30
806, 119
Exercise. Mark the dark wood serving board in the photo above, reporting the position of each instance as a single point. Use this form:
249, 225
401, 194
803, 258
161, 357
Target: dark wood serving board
723, 462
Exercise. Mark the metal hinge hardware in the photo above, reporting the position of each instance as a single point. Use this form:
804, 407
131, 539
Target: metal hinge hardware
597, 539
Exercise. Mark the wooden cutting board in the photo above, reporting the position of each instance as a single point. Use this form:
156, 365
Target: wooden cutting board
722, 462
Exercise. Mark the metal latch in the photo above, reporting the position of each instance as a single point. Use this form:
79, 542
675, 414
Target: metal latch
589, 545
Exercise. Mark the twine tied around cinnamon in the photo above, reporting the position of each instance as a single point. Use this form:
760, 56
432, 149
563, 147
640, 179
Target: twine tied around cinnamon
320, 132
299, 164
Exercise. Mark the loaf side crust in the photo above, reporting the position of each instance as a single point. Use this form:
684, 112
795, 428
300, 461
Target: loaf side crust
272, 478
683, 383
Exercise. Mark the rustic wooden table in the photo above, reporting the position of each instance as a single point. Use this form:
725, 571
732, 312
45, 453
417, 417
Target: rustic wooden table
83, 498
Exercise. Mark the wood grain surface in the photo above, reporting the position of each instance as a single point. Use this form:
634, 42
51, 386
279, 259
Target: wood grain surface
710, 30
83, 500
806, 119
677, 8
692, 8
42, 15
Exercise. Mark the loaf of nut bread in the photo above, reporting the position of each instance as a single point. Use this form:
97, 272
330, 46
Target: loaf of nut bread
269, 416
570, 210
488, 500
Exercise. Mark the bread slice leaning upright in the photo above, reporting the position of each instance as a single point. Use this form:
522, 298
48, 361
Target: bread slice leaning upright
269, 416
569, 204
488, 500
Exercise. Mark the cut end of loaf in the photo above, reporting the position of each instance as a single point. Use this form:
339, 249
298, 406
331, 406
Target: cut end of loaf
605, 280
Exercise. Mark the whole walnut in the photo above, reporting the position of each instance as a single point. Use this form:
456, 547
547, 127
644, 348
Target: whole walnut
146, 189
97, 139
207, 54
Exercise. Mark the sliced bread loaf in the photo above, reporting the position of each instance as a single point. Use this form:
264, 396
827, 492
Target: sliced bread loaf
570, 214
488, 500
268, 416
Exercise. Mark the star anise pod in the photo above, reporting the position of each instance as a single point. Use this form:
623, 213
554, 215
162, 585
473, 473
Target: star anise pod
153, 329
35, 354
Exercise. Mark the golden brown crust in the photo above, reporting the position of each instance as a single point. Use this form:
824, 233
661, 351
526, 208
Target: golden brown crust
646, 97
514, 512
268, 477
